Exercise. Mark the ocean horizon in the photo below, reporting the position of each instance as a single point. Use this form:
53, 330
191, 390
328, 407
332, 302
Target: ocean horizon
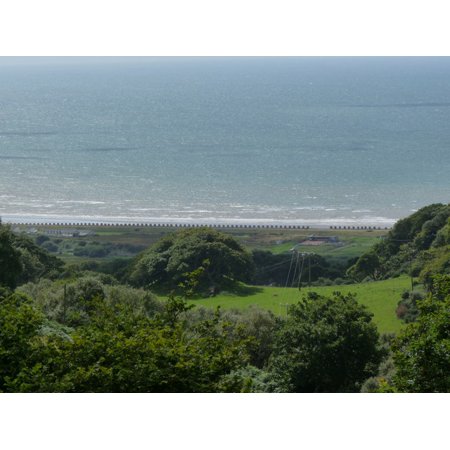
299, 141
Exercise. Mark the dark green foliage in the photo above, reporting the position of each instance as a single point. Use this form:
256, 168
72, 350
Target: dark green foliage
247, 379
116, 267
36, 262
166, 263
272, 269
10, 258
19, 327
422, 350
326, 345
406, 230
411, 243
434, 262
443, 236
430, 229
41, 239
50, 247
119, 351
368, 265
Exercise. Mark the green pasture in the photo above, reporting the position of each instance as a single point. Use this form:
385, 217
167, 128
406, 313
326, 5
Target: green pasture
380, 297
349, 246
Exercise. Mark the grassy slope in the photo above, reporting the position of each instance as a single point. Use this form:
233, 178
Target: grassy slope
380, 297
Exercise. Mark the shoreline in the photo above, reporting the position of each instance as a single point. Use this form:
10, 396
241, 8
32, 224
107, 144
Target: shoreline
171, 222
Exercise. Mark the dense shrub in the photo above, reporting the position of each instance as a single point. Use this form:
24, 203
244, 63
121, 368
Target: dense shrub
120, 351
70, 302
422, 350
326, 345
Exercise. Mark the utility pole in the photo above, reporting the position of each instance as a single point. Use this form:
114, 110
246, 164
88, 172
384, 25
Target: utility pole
309, 269
411, 275
64, 302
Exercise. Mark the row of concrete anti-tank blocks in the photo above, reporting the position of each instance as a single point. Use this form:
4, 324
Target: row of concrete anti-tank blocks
164, 225
197, 225
334, 227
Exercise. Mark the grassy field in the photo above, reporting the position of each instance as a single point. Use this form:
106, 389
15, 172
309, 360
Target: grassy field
351, 243
380, 297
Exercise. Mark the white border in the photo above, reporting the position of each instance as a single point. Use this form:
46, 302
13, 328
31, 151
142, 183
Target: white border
227, 421
224, 27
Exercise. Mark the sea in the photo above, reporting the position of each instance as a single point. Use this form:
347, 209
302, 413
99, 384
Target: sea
317, 141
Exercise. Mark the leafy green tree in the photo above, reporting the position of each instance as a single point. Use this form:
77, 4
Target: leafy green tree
422, 350
368, 265
222, 259
407, 229
430, 229
21, 260
328, 344
36, 262
10, 263
19, 328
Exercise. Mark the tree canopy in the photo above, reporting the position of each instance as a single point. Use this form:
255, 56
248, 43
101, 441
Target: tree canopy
10, 258
21, 260
218, 259
328, 344
414, 242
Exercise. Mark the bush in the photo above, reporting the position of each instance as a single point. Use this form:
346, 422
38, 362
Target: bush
70, 303
327, 344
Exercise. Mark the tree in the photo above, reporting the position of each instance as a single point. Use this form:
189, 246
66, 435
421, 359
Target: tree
21, 260
10, 263
19, 327
36, 262
221, 258
368, 265
328, 344
422, 350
